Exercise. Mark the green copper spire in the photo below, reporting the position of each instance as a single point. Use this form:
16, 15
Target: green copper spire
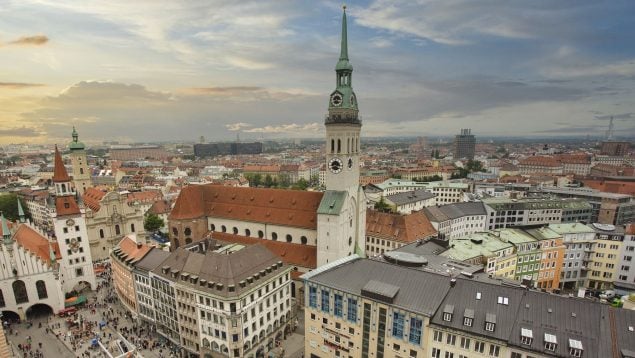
75, 144
21, 212
6, 234
343, 63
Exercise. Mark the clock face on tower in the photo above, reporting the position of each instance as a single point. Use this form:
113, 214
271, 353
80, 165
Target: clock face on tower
70, 222
336, 99
336, 165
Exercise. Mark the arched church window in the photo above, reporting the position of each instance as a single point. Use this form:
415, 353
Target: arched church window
339, 145
2, 304
332, 145
235, 230
247, 232
41, 290
261, 234
212, 227
223, 228
19, 291
101, 233
117, 230
187, 231
303, 240
274, 236
289, 238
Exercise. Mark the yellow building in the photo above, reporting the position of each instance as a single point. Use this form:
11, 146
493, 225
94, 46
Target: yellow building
123, 257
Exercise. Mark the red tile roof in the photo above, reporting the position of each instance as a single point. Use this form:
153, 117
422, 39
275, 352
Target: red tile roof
403, 228
92, 198
66, 205
271, 206
144, 196
541, 161
160, 207
34, 242
289, 253
59, 172
132, 250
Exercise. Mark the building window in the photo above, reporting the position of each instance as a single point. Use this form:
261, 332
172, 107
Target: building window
289, 238
79, 272
117, 230
101, 233
312, 297
550, 342
352, 309
325, 301
2, 304
247, 232
41, 290
436, 353
175, 231
261, 234
479, 346
212, 227
187, 231
397, 324
526, 336
415, 330
19, 291
223, 228
438, 336
467, 321
274, 236
131, 227
235, 230
465, 343
575, 348
337, 305
303, 240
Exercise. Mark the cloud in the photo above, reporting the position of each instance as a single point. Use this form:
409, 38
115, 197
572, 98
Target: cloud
233, 127
223, 91
19, 85
20, 132
569, 70
292, 128
37, 40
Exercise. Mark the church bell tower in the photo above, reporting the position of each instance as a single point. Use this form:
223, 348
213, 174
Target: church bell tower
342, 212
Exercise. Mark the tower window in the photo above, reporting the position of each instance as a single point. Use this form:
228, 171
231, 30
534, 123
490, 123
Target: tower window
339, 145
332, 145
289, 238
81, 170
274, 236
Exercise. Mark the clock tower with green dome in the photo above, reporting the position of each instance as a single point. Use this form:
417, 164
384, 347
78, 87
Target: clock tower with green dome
81, 173
342, 211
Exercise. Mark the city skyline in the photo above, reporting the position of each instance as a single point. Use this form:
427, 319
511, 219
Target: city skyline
134, 72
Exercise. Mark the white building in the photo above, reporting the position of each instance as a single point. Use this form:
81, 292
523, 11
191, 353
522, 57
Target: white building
407, 202
454, 221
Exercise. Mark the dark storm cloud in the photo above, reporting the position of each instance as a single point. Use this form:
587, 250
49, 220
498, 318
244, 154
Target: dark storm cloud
20, 132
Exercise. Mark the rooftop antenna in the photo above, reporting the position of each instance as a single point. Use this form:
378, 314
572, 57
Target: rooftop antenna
609, 133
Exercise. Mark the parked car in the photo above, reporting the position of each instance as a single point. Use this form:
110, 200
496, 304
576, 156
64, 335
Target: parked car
608, 295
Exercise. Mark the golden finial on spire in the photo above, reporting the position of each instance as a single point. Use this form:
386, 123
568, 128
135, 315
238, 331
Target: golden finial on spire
344, 7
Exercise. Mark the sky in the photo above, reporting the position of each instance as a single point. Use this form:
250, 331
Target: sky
153, 70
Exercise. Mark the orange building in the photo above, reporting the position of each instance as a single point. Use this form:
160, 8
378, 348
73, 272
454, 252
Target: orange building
123, 258
552, 251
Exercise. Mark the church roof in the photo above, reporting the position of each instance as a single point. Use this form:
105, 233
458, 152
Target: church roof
59, 172
129, 251
270, 206
35, 243
332, 202
92, 198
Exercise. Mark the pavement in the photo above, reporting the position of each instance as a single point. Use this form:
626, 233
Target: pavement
58, 343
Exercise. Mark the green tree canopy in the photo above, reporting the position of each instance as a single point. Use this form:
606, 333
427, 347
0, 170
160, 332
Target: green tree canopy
9, 206
153, 223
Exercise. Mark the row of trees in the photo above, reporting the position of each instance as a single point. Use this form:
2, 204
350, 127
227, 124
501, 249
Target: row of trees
281, 181
9, 206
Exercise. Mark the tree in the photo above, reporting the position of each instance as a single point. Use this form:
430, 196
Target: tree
301, 184
9, 206
381, 205
153, 223
268, 181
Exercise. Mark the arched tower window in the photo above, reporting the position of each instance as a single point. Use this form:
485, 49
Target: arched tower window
339, 145
63, 188
332, 145
41, 290
19, 291
101, 233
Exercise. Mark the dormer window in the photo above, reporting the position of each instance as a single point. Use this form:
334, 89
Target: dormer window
503, 300
468, 317
526, 336
575, 348
447, 313
550, 342
490, 322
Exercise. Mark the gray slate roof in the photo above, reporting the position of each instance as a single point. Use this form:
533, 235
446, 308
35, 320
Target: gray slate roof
152, 260
421, 292
409, 197
454, 211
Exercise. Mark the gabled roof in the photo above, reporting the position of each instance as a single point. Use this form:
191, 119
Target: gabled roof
454, 211
289, 253
270, 206
144, 196
398, 227
92, 198
129, 251
410, 197
66, 205
35, 243
160, 207
59, 171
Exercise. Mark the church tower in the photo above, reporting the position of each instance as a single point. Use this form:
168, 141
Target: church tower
76, 265
342, 212
81, 173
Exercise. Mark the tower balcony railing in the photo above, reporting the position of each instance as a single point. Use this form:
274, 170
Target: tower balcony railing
343, 118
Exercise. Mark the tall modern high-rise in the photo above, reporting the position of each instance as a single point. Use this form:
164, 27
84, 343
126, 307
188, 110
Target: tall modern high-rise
464, 145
